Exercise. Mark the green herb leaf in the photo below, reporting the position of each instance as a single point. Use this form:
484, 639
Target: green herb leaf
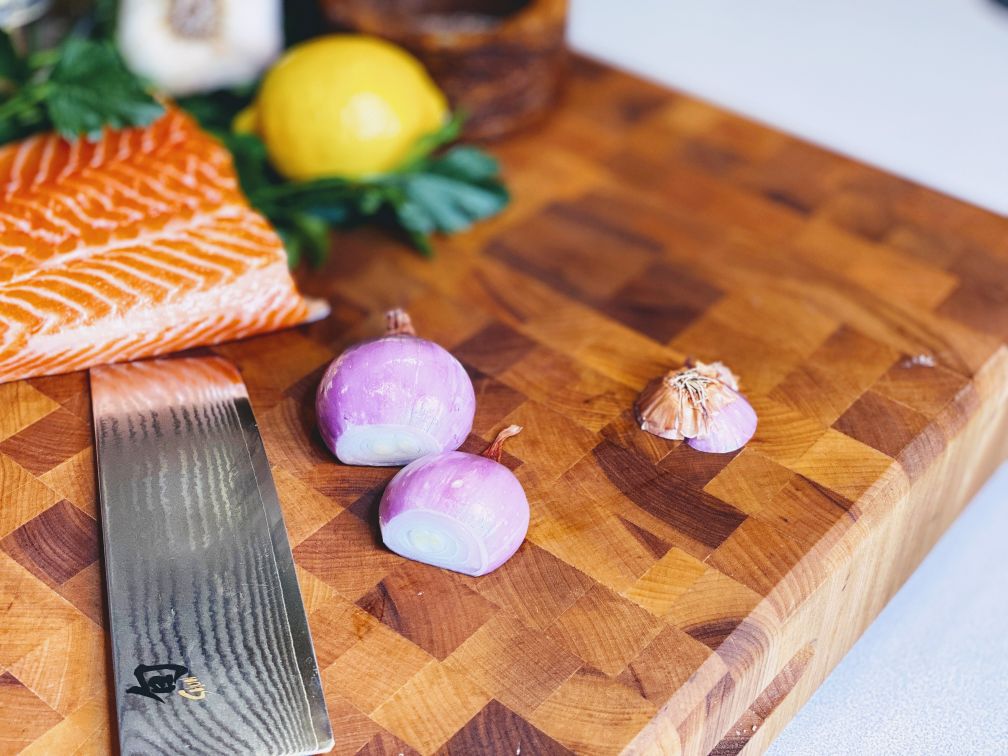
426, 144
417, 223
426, 195
456, 190
13, 68
467, 164
90, 87
106, 12
216, 110
250, 160
312, 235
293, 244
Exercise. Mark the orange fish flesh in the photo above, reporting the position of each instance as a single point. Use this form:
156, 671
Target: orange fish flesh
137, 244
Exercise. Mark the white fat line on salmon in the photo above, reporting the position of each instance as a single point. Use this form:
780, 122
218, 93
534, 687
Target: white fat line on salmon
211, 244
7, 251
12, 294
147, 143
75, 208
46, 211
82, 191
122, 341
157, 184
106, 181
145, 258
26, 307
186, 176
98, 156
28, 229
91, 270
79, 285
123, 151
192, 260
188, 180
130, 270
134, 338
17, 164
213, 234
73, 159
158, 191
45, 161
176, 228
211, 174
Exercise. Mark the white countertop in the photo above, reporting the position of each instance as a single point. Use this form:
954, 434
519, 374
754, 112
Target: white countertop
920, 88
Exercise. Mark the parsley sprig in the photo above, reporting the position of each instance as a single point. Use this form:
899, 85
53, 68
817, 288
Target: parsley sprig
83, 85
435, 190
77, 89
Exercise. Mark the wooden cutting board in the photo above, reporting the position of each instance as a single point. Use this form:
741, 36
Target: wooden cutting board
665, 601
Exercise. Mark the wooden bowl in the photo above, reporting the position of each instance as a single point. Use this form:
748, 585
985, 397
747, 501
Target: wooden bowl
500, 61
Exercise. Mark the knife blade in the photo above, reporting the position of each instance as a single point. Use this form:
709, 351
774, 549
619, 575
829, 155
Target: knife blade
210, 641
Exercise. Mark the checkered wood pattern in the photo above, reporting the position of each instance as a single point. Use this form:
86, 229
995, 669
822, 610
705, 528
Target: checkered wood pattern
664, 600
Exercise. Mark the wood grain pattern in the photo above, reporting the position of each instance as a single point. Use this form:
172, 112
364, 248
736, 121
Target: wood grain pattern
664, 600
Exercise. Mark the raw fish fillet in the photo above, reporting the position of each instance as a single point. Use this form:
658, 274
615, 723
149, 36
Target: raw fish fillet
135, 245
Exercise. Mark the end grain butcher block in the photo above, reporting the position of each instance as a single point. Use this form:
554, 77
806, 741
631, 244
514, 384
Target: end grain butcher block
665, 601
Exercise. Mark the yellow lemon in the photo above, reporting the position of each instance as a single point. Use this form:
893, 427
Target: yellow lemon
343, 105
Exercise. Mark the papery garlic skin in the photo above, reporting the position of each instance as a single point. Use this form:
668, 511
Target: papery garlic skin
699, 403
681, 403
189, 46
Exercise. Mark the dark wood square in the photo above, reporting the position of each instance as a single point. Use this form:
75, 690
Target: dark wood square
56, 544
497, 729
433, 608
661, 301
48, 442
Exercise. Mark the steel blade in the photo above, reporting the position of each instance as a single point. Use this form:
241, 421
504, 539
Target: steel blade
210, 643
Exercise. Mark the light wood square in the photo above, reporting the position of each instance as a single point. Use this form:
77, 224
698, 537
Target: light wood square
20, 406
517, 666
593, 714
22, 495
670, 577
375, 667
431, 707
605, 629
29, 611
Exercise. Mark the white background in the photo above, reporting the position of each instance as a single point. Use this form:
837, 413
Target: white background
919, 87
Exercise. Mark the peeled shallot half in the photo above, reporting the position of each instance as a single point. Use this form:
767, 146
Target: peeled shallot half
463, 512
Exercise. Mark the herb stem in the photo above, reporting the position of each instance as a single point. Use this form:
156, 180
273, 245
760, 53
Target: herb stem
23, 101
298, 190
43, 59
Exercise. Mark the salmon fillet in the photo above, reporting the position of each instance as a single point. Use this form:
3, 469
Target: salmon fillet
135, 245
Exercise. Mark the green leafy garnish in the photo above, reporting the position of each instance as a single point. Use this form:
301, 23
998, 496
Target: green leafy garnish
82, 85
13, 69
432, 196
431, 192
77, 89
90, 87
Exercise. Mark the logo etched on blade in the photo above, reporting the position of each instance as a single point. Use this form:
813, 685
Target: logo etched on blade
156, 680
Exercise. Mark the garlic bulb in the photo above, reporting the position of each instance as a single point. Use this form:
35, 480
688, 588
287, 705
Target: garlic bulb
188, 46
699, 403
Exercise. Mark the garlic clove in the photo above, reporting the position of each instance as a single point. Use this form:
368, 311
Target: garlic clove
682, 403
717, 371
189, 46
729, 430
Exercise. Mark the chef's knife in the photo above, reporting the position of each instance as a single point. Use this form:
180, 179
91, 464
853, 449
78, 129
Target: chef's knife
210, 642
